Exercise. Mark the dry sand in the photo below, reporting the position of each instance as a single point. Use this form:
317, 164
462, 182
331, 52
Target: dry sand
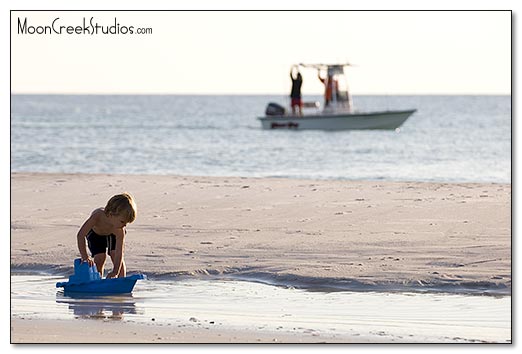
66, 331
375, 235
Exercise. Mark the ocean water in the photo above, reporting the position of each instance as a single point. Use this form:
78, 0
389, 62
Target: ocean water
449, 138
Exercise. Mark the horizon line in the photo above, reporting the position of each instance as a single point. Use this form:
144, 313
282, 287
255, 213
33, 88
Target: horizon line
245, 94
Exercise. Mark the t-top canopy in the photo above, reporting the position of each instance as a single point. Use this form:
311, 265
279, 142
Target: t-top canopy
332, 69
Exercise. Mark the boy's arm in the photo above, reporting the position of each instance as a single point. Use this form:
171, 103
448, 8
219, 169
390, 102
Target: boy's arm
118, 254
82, 234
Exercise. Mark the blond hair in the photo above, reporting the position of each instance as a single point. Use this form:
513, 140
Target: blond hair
122, 205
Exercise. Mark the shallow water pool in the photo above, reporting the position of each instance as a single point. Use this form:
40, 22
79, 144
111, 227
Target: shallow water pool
397, 317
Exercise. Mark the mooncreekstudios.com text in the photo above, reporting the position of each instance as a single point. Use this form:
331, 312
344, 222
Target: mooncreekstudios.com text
87, 27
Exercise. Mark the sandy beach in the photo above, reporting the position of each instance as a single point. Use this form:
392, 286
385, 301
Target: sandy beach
305, 233
64, 331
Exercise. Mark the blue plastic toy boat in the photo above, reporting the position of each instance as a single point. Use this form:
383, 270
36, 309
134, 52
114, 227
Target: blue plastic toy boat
86, 279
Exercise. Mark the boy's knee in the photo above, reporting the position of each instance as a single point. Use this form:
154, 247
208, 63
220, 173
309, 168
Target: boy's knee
99, 259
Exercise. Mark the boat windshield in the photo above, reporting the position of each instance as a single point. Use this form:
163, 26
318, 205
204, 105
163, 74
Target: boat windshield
336, 93
340, 95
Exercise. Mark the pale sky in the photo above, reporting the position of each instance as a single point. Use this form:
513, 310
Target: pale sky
251, 52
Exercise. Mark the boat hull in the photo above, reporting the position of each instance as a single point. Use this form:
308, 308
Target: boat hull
102, 286
387, 120
87, 279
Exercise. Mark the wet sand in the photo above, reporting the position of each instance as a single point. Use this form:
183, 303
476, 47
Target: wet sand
313, 234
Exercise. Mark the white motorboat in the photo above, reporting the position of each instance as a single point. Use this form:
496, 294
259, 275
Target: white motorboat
337, 113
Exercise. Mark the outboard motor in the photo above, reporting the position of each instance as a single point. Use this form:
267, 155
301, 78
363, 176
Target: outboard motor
274, 109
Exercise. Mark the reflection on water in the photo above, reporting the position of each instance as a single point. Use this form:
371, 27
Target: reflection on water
426, 317
100, 307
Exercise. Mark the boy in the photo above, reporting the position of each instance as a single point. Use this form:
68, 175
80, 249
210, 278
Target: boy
105, 231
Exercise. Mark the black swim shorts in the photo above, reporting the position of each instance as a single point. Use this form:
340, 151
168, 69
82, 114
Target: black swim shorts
100, 243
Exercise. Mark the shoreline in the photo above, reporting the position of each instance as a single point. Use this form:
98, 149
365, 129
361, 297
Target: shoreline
326, 285
270, 177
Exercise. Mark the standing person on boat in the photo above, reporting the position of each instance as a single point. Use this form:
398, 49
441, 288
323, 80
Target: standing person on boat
295, 94
328, 87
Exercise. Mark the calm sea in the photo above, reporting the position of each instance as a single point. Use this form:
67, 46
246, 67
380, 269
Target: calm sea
449, 138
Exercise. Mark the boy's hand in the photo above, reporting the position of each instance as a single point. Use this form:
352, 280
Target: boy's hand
89, 261
111, 275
